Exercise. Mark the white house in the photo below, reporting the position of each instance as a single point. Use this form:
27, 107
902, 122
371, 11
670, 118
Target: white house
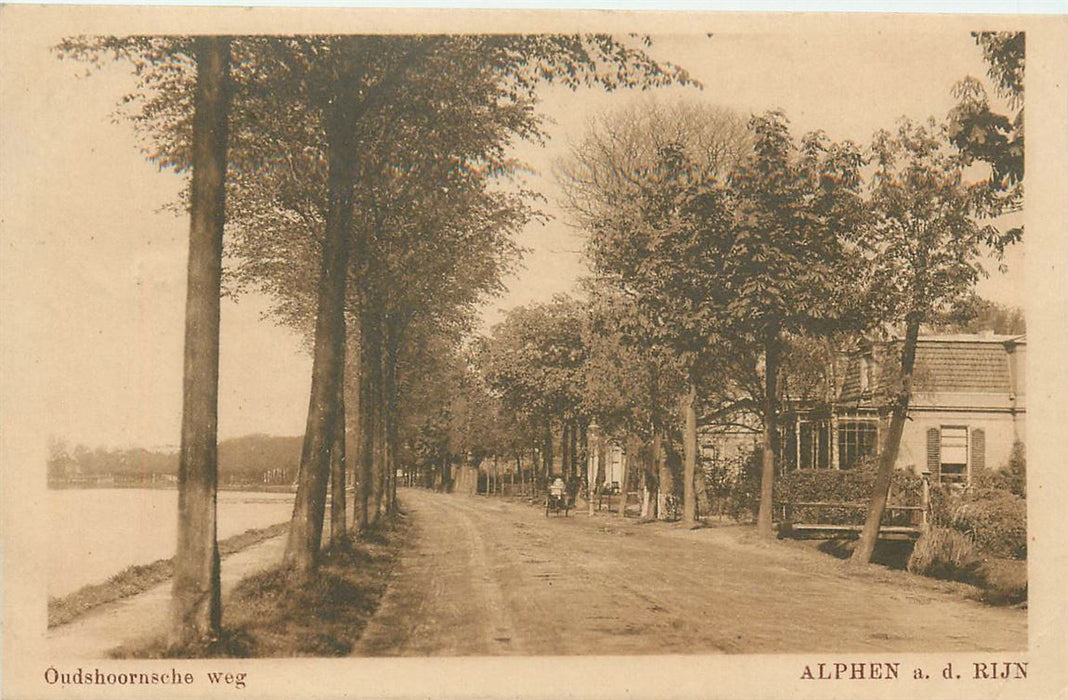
968, 408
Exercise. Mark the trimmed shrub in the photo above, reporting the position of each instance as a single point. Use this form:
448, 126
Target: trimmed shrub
946, 554
995, 520
847, 486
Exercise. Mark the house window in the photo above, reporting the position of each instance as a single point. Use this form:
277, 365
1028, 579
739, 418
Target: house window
953, 455
856, 440
813, 445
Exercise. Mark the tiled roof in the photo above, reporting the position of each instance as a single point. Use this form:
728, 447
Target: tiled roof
962, 364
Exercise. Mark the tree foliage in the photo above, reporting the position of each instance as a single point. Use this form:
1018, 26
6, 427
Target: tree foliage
535, 359
974, 314
924, 244
980, 133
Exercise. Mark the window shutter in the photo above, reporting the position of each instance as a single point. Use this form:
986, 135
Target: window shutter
934, 458
978, 449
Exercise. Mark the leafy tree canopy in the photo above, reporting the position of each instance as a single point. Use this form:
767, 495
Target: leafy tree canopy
982, 134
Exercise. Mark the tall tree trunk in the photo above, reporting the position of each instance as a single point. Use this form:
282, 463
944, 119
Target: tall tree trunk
306, 528
592, 459
663, 480
643, 481
565, 449
370, 347
518, 471
584, 438
700, 485
892, 445
391, 409
665, 477
393, 466
196, 605
369, 350
382, 436
689, 450
573, 451
651, 495
534, 467
772, 352
630, 461
353, 420
602, 461
547, 450
378, 451
339, 527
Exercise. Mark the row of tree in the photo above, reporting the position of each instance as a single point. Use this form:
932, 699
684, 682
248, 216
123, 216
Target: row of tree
730, 259
363, 183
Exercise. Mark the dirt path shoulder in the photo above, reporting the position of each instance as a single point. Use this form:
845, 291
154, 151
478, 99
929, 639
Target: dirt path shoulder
146, 615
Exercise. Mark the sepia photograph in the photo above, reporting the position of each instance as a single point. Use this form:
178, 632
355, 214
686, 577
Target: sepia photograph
347, 353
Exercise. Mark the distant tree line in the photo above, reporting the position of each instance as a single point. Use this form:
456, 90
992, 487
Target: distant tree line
249, 460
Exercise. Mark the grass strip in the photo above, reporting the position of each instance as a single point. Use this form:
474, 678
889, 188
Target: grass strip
1002, 582
323, 615
995, 581
140, 577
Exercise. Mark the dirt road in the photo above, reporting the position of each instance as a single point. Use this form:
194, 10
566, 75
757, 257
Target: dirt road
483, 576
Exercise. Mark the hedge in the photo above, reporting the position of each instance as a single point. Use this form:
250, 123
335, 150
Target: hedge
847, 486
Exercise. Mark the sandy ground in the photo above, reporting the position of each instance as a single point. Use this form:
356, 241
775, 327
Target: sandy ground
484, 576
146, 615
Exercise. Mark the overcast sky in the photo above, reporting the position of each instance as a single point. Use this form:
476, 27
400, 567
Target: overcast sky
105, 267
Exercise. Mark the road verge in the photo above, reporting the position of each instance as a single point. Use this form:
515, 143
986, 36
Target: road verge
265, 616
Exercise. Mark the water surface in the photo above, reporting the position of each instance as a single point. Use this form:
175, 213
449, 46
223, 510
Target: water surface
99, 532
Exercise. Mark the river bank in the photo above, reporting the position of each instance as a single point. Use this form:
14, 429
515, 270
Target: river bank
141, 577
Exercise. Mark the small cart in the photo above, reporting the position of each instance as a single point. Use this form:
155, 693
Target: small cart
557, 499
